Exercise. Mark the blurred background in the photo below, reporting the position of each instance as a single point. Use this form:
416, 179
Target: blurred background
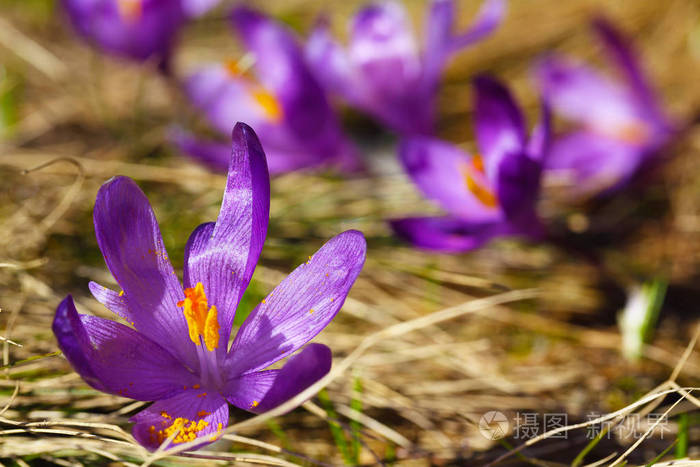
71, 117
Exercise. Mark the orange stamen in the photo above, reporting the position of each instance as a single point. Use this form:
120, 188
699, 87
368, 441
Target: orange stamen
201, 320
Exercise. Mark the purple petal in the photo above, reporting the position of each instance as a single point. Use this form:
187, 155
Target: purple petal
204, 415
383, 49
541, 137
300, 307
213, 154
518, 188
281, 67
580, 94
592, 163
225, 262
438, 169
114, 358
195, 8
623, 56
130, 240
246, 391
226, 98
489, 18
500, 128
147, 30
447, 234
300, 372
111, 299
330, 63
264, 390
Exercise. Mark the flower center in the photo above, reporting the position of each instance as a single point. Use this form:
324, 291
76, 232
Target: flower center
201, 320
130, 10
475, 179
268, 103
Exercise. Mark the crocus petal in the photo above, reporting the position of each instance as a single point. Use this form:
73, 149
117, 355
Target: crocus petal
225, 264
264, 390
330, 63
213, 154
580, 94
518, 189
129, 237
194, 8
300, 307
138, 33
592, 163
541, 137
202, 415
281, 68
225, 98
489, 18
439, 169
500, 128
114, 358
114, 301
447, 234
623, 56
383, 48
300, 372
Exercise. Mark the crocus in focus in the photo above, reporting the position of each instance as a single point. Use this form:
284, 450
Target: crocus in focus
485, 195
384, 72
177, 351
282, 100
619, 124
134, 29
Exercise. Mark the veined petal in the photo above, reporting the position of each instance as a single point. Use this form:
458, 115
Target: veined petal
439, 170
114, 301
129, 237
590, 163
224, 258
193, 414
213, 154
273, 387
114, 358
383, 49
300, 307
500, 128
447, 234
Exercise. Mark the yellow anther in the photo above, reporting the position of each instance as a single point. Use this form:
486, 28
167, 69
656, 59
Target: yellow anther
270, 105
201, 320
483, 193
254, 404
121, 294
130, 10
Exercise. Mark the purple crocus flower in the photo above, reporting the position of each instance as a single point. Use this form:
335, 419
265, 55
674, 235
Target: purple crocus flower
383, 71
177, 352
134, 29
620, 123
283, 101
485, 195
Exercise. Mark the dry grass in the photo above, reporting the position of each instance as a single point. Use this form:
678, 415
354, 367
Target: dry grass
434, 340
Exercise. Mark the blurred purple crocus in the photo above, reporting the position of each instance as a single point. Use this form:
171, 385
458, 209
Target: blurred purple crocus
485, 195
620, 125
384, 72
177, 352
283, 101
